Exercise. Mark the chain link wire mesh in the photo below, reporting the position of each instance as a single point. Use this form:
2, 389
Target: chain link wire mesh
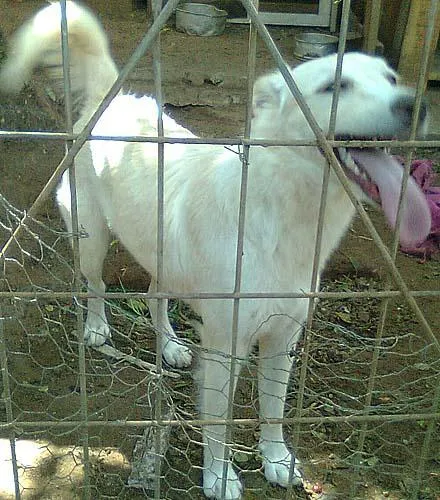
83, 423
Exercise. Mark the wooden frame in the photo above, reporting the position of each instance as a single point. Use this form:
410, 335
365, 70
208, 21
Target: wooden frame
321, 19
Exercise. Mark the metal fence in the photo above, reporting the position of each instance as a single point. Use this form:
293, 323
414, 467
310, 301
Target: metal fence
363, 405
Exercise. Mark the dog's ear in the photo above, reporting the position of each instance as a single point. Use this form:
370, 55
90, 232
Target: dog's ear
268, 92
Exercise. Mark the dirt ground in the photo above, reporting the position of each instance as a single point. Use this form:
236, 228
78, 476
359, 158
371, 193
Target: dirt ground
204, 82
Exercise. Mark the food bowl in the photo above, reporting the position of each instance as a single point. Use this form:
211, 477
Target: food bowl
200, 19
312, 45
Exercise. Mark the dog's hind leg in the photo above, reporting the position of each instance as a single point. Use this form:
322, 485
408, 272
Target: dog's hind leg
93, 249
273, 377
215, 380
173, 351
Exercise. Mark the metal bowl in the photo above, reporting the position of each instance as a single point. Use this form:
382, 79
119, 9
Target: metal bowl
200, 19
312, 45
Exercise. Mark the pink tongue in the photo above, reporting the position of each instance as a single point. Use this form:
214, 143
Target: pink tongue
387, 173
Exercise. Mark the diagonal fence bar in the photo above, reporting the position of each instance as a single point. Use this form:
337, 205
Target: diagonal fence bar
331, 158
83, 136
431, 16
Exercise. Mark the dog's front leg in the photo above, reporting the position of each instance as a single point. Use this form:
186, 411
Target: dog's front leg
215, 392
273, 377
173, 351
92, 249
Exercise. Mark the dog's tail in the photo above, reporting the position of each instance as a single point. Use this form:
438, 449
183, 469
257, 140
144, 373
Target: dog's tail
38, 44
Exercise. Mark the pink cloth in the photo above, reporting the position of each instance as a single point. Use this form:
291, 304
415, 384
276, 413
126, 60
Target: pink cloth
424, 175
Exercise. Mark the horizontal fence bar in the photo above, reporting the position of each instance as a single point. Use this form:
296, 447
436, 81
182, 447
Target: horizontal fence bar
391, 418
221, 141
214, 295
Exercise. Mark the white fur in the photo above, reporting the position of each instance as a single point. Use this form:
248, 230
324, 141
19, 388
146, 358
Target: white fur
117, 189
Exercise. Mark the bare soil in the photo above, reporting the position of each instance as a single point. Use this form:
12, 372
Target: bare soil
205, 89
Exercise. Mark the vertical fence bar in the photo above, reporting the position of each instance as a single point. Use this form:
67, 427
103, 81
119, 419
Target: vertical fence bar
432, 13
251, 63
320, 225
7, 398
77, 281
342, 43
161, 304
345, 18
236, 310
68, 107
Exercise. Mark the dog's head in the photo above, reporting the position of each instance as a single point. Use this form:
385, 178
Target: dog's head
372, 105
371, 102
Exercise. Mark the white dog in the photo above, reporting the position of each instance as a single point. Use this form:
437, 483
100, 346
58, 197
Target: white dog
117, 191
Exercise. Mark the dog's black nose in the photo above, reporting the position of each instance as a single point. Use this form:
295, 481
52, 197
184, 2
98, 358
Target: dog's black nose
403, 107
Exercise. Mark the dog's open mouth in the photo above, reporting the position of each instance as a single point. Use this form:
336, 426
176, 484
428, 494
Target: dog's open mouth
379, 175
356, 173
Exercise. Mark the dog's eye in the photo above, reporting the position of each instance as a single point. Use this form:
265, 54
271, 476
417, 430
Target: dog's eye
330, 87
392, 79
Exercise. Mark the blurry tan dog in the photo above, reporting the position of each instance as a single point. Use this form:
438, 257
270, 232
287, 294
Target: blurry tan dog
117, 184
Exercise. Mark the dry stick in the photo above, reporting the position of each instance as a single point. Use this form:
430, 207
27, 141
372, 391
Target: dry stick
112, 352
51, 109
145, 455
331, 158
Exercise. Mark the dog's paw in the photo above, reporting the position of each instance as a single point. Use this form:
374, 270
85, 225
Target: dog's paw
176, 354
213, 480
96, 333
277, 461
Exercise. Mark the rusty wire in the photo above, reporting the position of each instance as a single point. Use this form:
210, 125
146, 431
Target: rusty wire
327, 395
